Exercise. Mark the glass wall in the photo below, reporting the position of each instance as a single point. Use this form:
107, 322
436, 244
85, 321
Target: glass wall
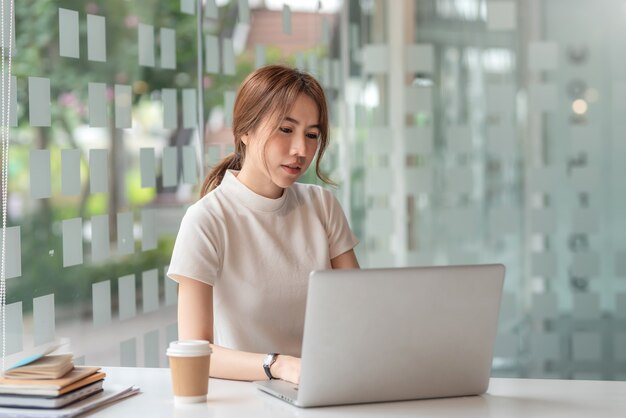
463, 131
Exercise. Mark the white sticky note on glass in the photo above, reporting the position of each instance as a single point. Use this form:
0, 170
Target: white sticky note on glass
418, 140
543, 97
586, 346
125, 238
336, 77
168, 48
325, 79
313, 65
147, 164
244, 11
146, 45
127, 297
148, 229
171, 289
375, 59
40, 185
101, 303
286, 19
259, 56
585, 221
500, 98
377, 181
9, 23
229, 105
379, 221
325, 31
39, 101
459, 180
620, 266
543, 56
170, 108
419, 99
619, 347
190, 109
151, 349
420, 58
459, 139
379, 141
98, 171
585, 179
504, 220
585, 264
506, 346
228, 57
545, 346
300, 61
123, 101
620, 305
128, 353
96, 38
547, 179
14, 328
13, 103
68, 33
419, 180
72, 242
169, 171
150, 290
543, 221
98, 105
501, 15
210, 9
544, 264
544, 305
43, 319
501, 140
171, 332
211, 54
188, 6
190, 172
586, 306
13, 256
100, 245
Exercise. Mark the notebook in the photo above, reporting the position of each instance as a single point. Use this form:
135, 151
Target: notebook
80, 376
46, 367
377, 335
51, 402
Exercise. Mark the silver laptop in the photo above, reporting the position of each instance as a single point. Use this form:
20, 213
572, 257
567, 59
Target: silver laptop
375, 335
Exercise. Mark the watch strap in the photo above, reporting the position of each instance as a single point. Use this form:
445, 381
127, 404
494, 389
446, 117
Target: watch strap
269, 360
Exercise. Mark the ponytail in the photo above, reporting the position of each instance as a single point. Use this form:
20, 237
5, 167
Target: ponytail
216, 175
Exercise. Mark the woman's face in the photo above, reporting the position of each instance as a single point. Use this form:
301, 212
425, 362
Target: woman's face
288, 150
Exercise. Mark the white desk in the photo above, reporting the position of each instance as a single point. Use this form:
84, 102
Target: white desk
505, 398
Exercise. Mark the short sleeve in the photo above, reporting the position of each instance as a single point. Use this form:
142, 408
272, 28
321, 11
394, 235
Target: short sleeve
197, 251
340, 236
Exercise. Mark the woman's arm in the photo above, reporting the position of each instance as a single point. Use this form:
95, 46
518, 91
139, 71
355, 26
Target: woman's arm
195, 322
346, 260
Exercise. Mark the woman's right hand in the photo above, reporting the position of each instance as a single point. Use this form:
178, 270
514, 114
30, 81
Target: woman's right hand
287, 368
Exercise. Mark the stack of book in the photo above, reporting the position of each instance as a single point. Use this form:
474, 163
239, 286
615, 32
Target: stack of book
49, 382
45, 384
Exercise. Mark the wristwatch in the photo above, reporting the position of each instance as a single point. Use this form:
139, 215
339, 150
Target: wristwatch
267, 363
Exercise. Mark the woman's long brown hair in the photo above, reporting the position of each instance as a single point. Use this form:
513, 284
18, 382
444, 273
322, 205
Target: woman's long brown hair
267, 94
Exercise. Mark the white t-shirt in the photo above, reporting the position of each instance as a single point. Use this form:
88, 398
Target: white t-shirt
257, 254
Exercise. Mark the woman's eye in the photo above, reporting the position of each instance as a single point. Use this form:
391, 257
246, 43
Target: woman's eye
285, 130
313, 136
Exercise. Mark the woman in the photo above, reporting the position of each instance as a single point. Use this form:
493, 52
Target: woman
244, 251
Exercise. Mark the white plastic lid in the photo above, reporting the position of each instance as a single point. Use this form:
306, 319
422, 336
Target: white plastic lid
189, 348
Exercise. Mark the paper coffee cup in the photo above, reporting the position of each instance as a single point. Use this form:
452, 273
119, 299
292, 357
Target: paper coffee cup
189, 363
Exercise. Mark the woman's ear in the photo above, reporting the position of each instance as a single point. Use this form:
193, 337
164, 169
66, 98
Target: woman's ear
244, 138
